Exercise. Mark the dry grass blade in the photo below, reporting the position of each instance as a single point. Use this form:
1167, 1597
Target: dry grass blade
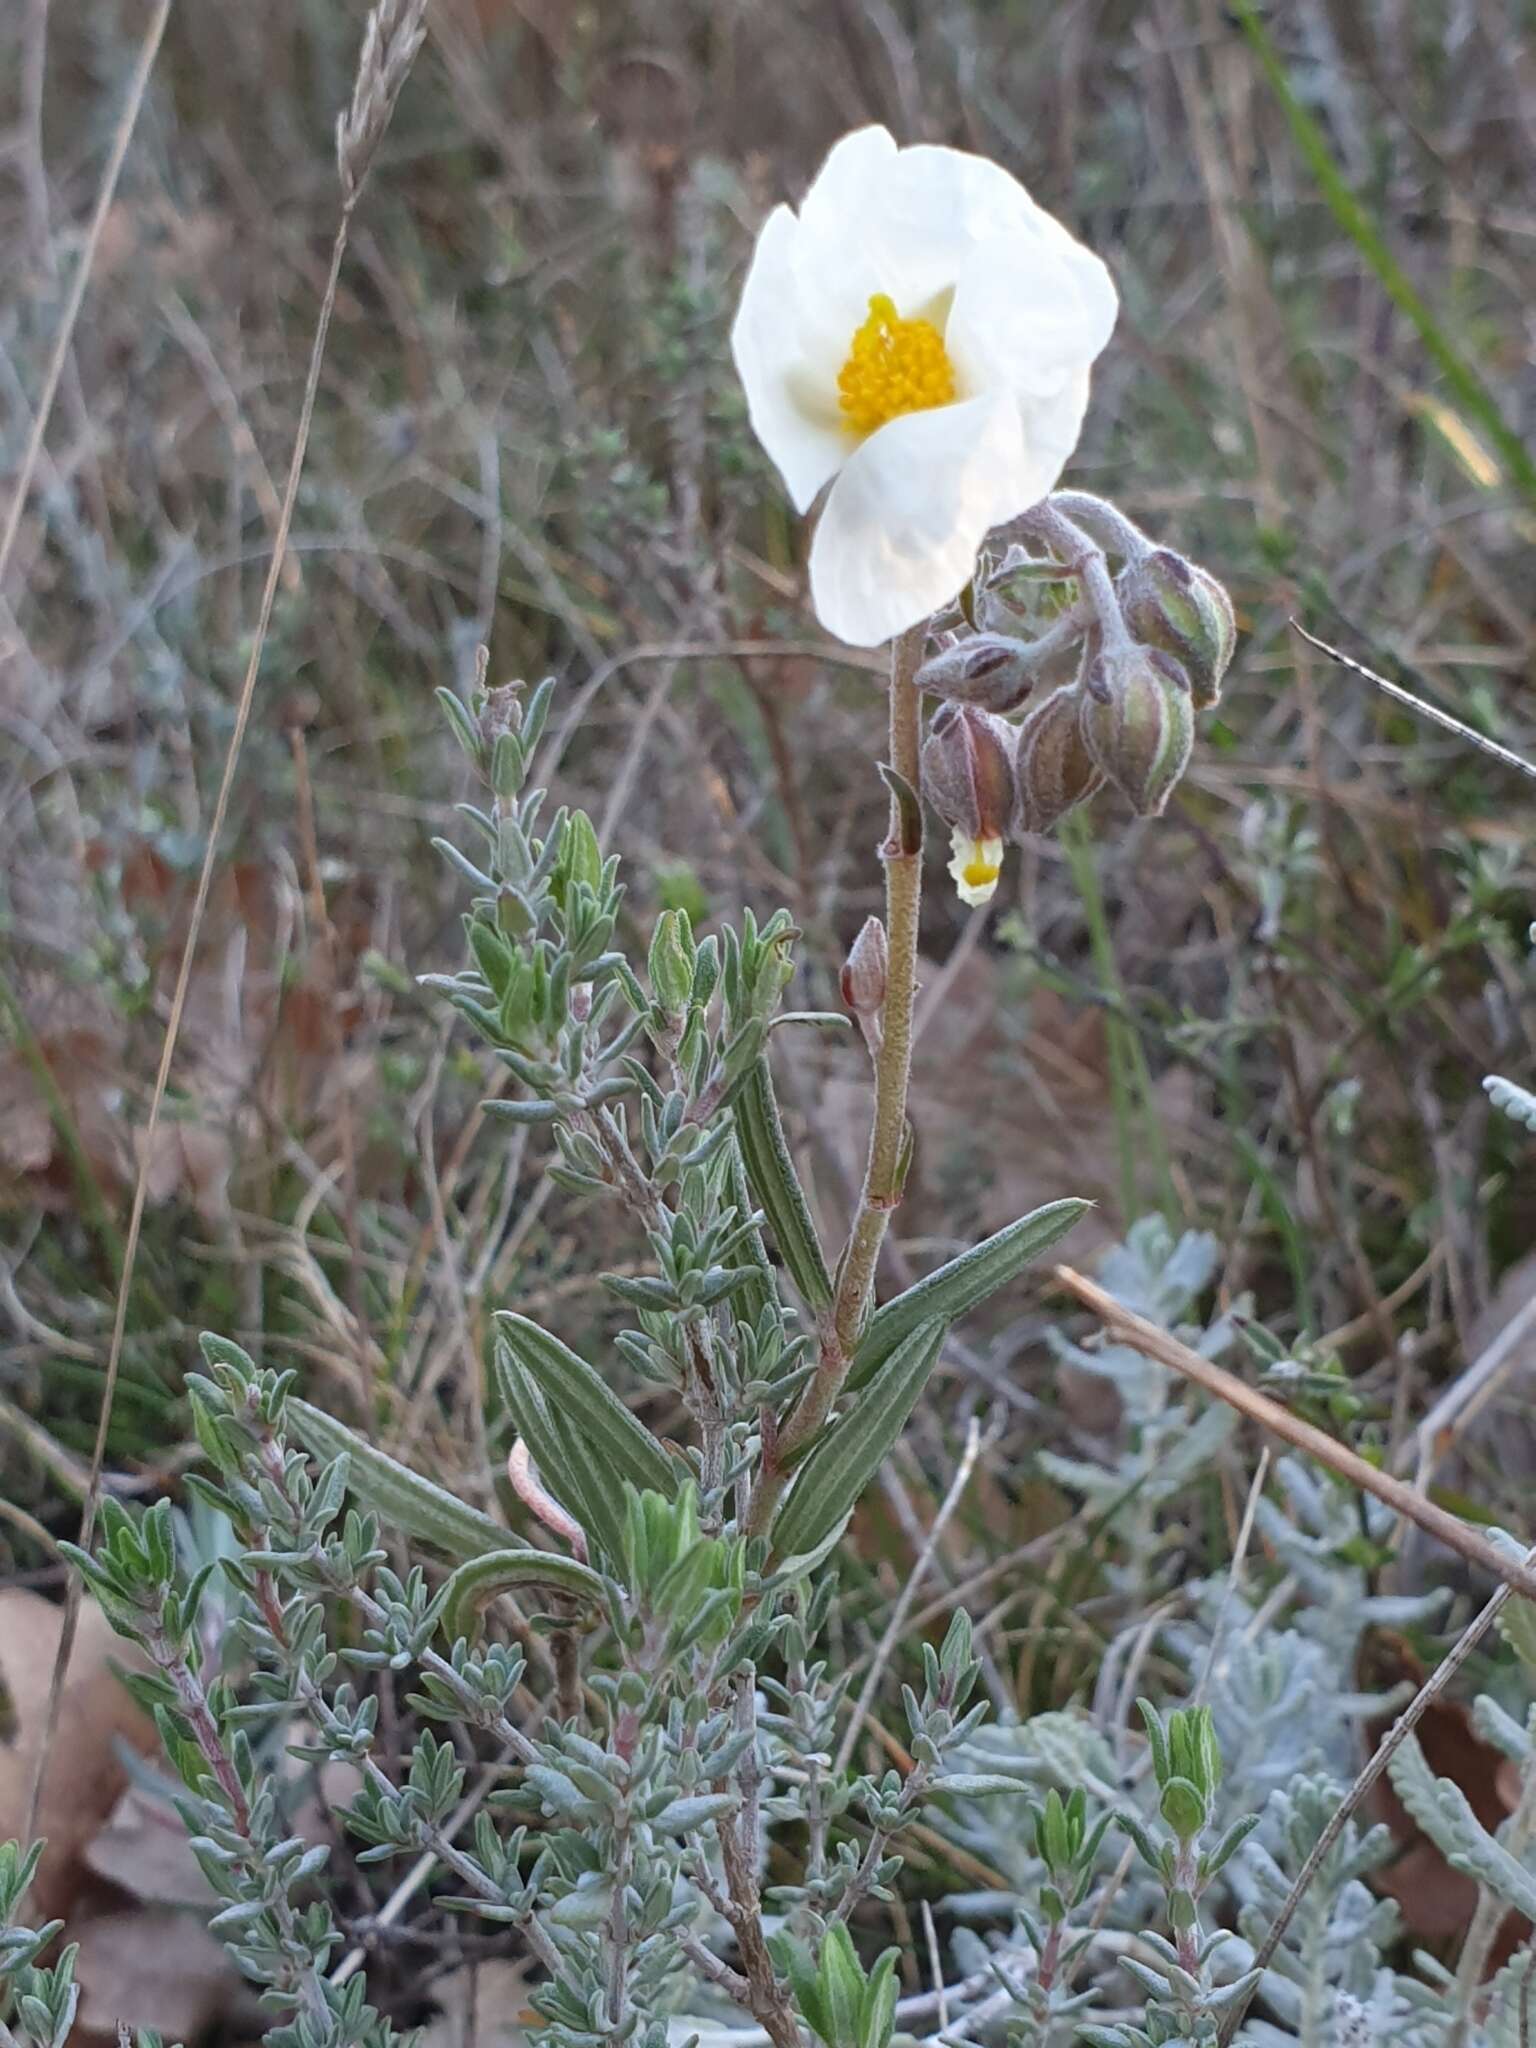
909, 1591
1419, 705
1156, 1344
138, 85
386, 57
391, 40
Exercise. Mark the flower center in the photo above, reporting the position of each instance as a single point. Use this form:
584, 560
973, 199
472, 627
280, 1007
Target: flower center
894, 366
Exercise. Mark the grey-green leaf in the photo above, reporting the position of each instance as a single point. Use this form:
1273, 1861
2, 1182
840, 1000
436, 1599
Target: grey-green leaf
776, 1186
1442, 1810
581, 1397
398, 1495
953, 1290
574, 1478
847, 1457
481, 1580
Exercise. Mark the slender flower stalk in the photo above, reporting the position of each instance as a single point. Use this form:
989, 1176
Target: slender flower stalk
903, 858
902, 854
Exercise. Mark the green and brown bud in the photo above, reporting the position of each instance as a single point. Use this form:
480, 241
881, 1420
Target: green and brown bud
987, 670
1171, 604
968, 781
1053, 770
1138, 723
865, 970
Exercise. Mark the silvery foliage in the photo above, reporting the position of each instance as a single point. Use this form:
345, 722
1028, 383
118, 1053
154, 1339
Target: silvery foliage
1516, 1102
1279, 1685
1168, 1435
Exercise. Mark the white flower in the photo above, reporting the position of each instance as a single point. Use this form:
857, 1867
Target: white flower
920, 335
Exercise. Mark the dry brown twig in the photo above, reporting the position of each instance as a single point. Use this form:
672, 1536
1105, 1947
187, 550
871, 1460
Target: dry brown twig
1156, 1344
393, 36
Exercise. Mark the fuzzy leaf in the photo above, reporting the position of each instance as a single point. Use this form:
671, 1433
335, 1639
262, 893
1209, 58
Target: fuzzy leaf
398, 1495
776, 1186
850, 1453
1441, 1810
563, 1466
957, 1288
476, 1584
584, 1399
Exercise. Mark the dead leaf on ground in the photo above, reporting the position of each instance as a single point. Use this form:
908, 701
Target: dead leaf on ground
151, 1966
85, 1772
144, 1851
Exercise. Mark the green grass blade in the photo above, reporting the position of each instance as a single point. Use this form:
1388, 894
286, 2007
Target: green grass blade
1352, 217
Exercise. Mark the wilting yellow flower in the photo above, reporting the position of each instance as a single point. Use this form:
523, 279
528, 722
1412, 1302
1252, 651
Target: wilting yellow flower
919, 335
967, 777
975, 865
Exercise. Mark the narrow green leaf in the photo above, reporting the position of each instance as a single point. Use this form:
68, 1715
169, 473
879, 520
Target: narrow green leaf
684, 1816
476, 1584
842, 1985
758, 1292
398, 1495
850, 1453
981, 1785
564, 1467
582, 1398
786, 1570
955, 1289
776, 1186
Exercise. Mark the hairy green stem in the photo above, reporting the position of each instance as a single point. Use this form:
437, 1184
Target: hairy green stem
902, 854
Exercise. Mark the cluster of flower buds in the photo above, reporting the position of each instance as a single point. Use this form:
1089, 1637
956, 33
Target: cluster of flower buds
1152, 649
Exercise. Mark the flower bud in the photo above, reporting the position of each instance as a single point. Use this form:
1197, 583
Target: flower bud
671, 961
501, 711
988, 670
1173, 605
1138, 722
968, 780
864, 971
1052, 768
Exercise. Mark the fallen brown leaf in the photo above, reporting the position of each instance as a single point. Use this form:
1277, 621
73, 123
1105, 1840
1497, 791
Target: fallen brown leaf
85, 1772
151, 1966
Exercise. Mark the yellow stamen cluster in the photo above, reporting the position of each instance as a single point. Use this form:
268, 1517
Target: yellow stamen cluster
894, 366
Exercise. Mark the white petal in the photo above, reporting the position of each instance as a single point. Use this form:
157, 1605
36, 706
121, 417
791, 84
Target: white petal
880, 219
979, 197
899, 533
792, 400
1051, 430
1031, 311
854, 171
